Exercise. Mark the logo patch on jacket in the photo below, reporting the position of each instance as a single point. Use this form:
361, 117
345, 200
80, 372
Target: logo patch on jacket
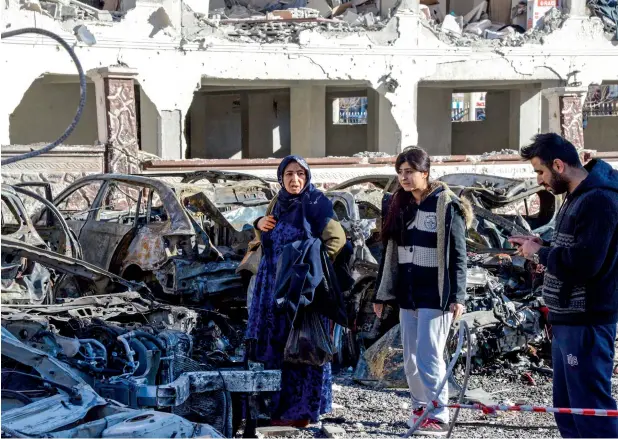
431, 222
572, 360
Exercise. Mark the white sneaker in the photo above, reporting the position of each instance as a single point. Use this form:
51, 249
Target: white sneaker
414, 415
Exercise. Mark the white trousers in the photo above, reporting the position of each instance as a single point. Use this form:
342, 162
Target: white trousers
424, 333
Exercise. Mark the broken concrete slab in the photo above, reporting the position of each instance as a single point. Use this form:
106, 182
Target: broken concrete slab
475, 13
451, 25
263, 432
351, 18
333, 431
321, 6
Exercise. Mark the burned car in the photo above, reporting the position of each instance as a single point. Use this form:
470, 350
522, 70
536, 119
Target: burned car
43, 397
504, 309
24, 281
168, 235
127, 347
239, 197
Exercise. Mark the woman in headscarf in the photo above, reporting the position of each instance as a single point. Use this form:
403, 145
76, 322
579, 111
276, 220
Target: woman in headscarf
298, 212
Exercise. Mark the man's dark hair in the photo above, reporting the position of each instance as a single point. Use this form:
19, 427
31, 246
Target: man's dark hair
549, 147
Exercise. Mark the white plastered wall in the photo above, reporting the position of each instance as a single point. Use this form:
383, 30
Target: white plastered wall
391, 61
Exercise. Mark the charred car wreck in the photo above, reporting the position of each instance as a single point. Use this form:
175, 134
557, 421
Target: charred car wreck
127, 348
126, 334
505, 310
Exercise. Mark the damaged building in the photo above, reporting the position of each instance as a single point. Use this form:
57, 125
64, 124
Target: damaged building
255, 79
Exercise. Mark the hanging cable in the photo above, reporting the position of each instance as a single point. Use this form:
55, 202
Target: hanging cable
82, 92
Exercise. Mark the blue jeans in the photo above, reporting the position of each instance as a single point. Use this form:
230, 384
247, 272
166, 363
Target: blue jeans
583, 360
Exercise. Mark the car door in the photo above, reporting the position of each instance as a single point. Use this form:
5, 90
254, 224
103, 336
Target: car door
77, 202
111, 223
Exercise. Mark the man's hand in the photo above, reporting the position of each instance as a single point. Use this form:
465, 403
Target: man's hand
529, 248
457, 309
266, 223
378, 308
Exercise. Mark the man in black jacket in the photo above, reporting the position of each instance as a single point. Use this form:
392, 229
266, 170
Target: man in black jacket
580, 287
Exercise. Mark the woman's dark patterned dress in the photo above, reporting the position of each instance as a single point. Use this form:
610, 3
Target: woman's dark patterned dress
306, 391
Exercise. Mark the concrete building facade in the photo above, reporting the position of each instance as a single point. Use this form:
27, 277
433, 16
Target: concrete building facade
174, 79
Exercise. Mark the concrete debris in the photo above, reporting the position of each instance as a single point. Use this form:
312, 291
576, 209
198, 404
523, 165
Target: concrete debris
321, 6
486, 155
84, 35
452, 25
278, 26
333, 431
264, 432
33, 5
476, 13
607, 11
65, 10
372, 154
478, 28
351, 18
480, 33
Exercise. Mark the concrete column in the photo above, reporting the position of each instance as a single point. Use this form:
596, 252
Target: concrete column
565, 113
530, 110
116, 117
170, 127
402, 96
383, 134
525, 118
434, 120
308, 120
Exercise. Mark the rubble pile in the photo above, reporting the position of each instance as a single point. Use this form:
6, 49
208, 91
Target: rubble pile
73, 10
279, 21
478, 29
607, 11
354, 13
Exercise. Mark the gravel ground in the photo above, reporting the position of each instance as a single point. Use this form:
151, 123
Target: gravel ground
366, 412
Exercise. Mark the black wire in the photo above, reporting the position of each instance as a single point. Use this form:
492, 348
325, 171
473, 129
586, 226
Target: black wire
82, 92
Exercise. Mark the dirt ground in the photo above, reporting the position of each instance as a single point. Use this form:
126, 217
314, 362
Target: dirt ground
367, 412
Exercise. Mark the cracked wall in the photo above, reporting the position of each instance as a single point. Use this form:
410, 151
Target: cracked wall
391, 60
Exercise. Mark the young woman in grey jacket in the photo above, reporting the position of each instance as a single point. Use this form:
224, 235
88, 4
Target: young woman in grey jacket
424, 273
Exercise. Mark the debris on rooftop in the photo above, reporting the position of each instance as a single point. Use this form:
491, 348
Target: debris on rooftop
526, 23
607, 11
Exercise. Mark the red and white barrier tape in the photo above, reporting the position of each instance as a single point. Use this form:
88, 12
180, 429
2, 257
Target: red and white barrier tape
488, 409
